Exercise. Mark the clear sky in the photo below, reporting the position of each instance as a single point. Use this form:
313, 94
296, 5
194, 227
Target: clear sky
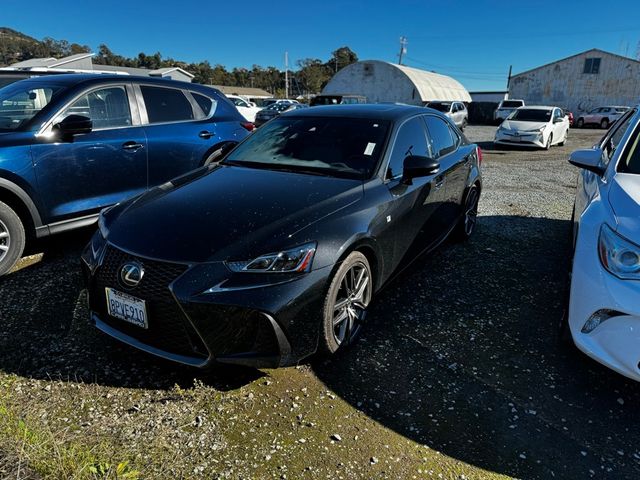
473, 41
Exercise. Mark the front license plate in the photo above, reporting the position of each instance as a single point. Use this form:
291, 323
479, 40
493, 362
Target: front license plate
127, 308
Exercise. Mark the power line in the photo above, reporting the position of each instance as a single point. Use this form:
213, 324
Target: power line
509, 36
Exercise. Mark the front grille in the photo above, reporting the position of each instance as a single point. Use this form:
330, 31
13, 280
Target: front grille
169, 330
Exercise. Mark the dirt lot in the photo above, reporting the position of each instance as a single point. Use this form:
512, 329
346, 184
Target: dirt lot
458, 374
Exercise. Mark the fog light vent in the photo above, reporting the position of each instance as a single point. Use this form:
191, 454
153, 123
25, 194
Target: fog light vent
598, 318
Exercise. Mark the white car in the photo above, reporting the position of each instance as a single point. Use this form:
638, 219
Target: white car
601, 116
247, 109
603, 316
534, 127
506, 108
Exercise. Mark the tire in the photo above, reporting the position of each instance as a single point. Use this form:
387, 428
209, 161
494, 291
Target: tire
12, 238
467, 224
547, 145
604, 124
564, 140
580, 123
464, 125
345, 306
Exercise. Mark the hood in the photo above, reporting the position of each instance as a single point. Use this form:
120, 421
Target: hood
522, 126
624, 198
229, 212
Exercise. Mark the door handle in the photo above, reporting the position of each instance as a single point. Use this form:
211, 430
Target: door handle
206, 135
132, 146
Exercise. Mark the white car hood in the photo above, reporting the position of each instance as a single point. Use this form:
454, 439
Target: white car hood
522, 126
624, 198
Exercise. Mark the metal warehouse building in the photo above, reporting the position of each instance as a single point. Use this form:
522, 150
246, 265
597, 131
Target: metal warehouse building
580, 82
387, 82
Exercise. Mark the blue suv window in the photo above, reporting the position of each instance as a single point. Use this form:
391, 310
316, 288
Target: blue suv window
166, 104
106, 107
207, 104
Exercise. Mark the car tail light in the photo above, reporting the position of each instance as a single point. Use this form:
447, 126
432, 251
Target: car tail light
479, 156
248, 126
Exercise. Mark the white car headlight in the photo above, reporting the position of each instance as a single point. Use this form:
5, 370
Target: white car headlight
618, 255
297, 259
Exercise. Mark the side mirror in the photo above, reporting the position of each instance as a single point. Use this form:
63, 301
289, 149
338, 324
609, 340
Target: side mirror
558, 119
73, 125
590, 159
417, 166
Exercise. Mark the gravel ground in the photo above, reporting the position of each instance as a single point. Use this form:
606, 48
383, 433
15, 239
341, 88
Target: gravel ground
459, 373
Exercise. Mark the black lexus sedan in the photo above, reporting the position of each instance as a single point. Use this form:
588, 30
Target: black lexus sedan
275, 252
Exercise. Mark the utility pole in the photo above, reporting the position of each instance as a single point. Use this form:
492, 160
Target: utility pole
509, 78
403, 49
286, 74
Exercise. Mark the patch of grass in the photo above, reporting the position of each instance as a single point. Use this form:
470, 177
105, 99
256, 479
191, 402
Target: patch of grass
51, 454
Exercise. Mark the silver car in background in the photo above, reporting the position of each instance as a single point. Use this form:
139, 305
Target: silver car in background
456, 111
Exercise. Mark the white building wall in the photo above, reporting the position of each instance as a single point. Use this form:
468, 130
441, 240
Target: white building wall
564, 84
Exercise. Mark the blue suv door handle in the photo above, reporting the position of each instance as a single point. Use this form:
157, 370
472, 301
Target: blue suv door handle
132, 146
205, 134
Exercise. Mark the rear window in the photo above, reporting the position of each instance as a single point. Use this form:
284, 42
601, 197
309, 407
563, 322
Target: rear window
325, 100
205, 103
166, 104
512, 103
440, 106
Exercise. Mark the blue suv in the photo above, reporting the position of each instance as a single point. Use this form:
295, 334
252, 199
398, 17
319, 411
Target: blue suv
71, 145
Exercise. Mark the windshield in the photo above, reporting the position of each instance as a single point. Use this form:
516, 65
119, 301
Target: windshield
512, 104
530, 115
440, 106
341, 147
19, 103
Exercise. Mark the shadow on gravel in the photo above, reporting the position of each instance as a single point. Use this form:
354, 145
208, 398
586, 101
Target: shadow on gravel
461, 355
45, 332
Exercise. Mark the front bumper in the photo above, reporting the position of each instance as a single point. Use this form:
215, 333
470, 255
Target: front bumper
616, 341
203, 314
522, 139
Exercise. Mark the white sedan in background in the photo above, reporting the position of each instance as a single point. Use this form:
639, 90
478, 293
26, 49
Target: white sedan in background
247, 109
534, 127
603, 317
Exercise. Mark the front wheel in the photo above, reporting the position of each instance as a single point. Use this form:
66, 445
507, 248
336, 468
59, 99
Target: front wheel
346, 303
604, 123
547, 145
12, 238
580, 123
469, 220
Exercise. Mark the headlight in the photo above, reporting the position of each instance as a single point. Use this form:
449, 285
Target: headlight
297, 259
618, 255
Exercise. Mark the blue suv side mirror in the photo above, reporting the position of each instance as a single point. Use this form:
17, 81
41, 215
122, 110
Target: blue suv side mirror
73, 125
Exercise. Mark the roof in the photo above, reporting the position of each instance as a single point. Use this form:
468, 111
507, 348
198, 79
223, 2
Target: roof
377, 111
165, 71
434, 85
245, 91
594, 50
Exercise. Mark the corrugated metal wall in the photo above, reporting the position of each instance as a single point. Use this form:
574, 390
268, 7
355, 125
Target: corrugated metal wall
564, 84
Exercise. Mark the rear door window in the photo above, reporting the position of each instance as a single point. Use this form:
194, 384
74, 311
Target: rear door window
442, 143
166, 105
206, 104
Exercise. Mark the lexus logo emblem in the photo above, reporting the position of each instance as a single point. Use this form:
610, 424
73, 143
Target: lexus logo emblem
131, 274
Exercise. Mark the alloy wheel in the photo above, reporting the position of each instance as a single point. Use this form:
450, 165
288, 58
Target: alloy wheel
471, 212
5, 240
352, 298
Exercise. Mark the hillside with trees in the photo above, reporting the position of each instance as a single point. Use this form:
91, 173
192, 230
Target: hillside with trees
311, 76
